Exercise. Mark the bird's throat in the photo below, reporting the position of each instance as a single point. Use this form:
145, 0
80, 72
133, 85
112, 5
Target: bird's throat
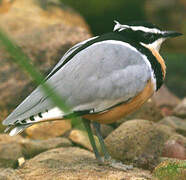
158, 58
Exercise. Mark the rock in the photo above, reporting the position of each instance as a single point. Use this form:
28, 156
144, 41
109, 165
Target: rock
178, 124
34, 147
180, 109
171, 169
10, 150
179, 138
73, 163
165, 100
175, 147
81, 137
138, 141
9, 174
16, 147
149, 111
4, 113
163, 97
5, 138
21, 161
48, 129
44, 31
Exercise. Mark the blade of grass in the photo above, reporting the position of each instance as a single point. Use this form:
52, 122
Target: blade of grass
23, 61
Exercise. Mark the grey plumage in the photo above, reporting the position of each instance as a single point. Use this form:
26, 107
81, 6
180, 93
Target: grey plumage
100, 76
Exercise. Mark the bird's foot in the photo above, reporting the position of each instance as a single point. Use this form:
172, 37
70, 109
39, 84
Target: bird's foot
119, 165
115, 164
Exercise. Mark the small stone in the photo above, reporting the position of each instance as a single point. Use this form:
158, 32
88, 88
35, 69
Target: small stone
34, 147
10, 150
178, 124
175, 147
21, 161
180, 109
164, 98
81, 137
48, 129
9, 174
5, 138
14, 149
139, 142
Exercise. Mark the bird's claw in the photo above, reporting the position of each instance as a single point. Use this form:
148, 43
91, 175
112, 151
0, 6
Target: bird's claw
115, 164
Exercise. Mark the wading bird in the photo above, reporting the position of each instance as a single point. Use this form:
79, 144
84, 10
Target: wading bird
101, 79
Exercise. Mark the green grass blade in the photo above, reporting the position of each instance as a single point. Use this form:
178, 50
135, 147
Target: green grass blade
23, 61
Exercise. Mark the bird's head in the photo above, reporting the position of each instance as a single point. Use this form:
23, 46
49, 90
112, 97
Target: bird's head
145, 33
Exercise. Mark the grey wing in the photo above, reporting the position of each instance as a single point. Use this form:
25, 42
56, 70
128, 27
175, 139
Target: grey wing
68, 53
35, 103
97, 78
30, 106
102, 75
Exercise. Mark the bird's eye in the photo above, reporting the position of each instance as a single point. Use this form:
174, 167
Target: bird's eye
146, 35
149, 37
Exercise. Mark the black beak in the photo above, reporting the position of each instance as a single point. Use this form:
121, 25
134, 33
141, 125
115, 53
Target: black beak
171, 34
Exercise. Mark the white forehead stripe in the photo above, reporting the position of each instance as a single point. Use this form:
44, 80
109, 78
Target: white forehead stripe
121, 27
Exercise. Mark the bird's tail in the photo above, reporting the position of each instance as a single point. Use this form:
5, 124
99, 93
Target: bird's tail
54, 114
20, 125
18, 129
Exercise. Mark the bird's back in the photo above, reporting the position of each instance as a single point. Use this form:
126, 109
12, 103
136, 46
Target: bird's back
102, 75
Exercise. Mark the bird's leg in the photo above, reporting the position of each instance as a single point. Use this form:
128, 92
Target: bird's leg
101, 141
107, 157
86, 123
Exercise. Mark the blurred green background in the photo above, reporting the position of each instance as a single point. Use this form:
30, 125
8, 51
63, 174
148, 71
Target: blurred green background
101, 14
167, 14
